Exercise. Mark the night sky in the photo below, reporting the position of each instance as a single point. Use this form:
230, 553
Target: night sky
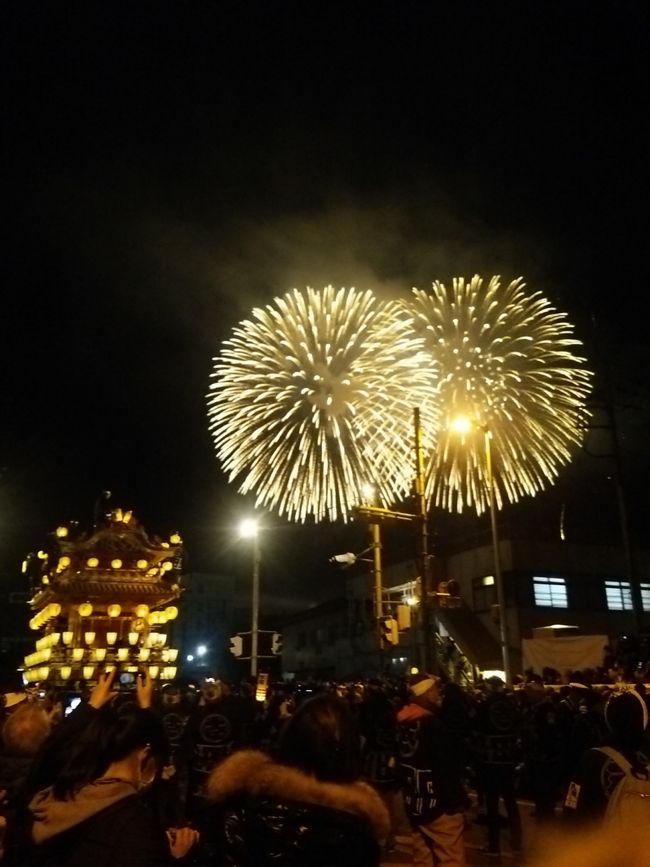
167, 166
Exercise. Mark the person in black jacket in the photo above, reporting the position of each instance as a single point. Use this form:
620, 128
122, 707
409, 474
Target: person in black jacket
598, 772
306, 807
431, 764
83, 804
496, 740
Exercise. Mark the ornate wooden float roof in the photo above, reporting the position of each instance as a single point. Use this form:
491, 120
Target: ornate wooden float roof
116, 560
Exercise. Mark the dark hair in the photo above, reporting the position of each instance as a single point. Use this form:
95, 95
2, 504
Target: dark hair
322, 739
626, 716
73, 757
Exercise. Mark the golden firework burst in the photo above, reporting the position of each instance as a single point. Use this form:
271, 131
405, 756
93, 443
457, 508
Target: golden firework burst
313, 397
505, 360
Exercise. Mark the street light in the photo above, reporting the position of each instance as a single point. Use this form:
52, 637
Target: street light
249, 529
464, 425
368, 494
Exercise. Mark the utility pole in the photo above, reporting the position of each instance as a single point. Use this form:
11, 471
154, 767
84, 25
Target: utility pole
379, 590
496, 552
429, 657
375, 516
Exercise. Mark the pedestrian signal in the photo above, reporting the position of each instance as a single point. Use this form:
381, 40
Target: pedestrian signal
276, 643
237, 645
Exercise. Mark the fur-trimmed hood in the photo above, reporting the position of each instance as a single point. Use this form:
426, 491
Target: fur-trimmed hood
253, 773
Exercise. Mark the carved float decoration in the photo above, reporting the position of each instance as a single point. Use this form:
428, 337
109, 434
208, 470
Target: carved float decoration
103, 599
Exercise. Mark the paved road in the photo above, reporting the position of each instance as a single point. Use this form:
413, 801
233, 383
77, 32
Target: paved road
475, 839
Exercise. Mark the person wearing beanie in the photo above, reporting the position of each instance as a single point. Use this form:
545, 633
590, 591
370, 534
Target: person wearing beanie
598, 773
431, 771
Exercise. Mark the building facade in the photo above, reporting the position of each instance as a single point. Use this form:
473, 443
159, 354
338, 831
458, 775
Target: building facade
546, 585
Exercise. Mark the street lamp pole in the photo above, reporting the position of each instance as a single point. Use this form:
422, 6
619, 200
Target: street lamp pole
498, 576
256, 605
250, 530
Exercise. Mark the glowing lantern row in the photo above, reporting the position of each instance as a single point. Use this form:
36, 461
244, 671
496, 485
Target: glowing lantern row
159, 618
90, 636
117, 563
120, 516
40, 673
98, 654
64, 562
37, 657
167, 672
45, 614
50, 640
114, 610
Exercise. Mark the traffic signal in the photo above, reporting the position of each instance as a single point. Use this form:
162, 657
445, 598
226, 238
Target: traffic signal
403, 617
237, 645
262, 686
389, 631
276, 643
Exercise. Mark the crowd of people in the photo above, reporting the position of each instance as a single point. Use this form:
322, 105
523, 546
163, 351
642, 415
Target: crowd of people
316, 774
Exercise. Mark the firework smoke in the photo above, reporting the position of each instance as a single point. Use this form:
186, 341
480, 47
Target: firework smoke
505, 361
313, 398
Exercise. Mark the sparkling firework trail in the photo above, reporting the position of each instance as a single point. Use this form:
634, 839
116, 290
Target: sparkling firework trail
505, 361
313, 398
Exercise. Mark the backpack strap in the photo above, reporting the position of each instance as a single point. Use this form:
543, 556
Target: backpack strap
617, 757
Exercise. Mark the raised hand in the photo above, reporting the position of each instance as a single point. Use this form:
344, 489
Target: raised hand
144, 688
103, 691
181, 840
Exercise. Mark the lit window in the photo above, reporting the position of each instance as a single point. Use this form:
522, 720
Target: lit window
645, 597
619, 596
550, 592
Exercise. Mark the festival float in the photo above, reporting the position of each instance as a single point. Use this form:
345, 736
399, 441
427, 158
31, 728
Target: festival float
103, 600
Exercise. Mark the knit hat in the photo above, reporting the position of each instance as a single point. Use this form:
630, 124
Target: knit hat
423, 684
